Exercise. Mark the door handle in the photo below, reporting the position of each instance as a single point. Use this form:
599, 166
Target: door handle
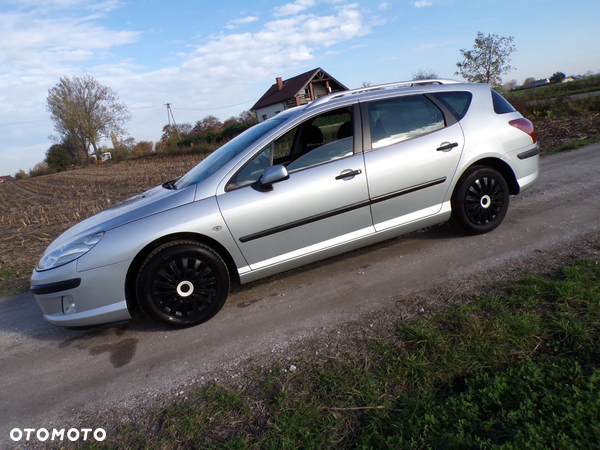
350, 174
446, 146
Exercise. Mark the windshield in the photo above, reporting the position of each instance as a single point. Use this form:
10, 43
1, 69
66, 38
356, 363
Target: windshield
224, 154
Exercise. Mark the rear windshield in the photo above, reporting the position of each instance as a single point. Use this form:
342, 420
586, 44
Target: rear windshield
457, 102
501, 105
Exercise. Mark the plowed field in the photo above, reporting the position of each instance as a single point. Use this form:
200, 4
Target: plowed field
35, 211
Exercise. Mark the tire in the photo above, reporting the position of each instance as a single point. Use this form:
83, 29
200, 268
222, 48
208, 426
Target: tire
182, 283
480, 201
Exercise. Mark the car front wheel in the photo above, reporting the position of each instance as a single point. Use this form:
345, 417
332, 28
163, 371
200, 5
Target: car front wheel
182, 283
480, 201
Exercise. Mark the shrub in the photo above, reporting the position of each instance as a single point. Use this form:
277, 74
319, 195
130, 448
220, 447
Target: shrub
58, 158
41, 168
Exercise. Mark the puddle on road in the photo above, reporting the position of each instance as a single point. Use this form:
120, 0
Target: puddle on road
120, 353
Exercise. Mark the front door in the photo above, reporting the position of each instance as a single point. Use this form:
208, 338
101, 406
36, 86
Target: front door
324, 202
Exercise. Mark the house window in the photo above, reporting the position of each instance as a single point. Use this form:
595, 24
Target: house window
264, 117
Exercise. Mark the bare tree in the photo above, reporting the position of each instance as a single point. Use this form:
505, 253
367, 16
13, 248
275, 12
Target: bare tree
489, 58
510, 85
209, 123
424, 74
85, 111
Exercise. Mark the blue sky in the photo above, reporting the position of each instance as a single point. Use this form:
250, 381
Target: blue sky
219, 57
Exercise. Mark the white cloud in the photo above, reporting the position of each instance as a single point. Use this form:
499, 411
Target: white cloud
423, 4
226, 69
236, 23
383, 6
105, 6
291, 9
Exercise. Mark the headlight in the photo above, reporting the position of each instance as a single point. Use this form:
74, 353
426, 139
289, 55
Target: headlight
69, 252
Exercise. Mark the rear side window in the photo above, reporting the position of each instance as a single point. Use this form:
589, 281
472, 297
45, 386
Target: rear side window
457, 102
501, 105
399, 119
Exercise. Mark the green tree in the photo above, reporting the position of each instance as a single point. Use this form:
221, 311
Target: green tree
489, 58
557, 77
85, 111
20, 175
58, 158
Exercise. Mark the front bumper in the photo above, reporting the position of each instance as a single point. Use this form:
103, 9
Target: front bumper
98, 294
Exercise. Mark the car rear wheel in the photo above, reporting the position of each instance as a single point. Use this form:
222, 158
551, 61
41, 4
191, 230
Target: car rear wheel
480, 201
182, 283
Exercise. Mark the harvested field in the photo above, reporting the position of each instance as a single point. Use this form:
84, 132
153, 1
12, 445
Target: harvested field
553, 133
35, 211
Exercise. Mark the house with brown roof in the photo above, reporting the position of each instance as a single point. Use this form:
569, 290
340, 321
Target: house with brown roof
296, 91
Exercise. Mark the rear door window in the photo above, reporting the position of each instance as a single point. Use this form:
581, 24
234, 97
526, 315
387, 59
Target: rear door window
501, 105
399, 119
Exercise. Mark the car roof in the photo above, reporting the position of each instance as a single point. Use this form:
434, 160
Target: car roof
374, 90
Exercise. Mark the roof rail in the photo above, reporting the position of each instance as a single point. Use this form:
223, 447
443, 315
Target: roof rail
380, 87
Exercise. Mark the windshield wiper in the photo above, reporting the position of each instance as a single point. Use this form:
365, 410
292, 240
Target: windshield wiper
170, 184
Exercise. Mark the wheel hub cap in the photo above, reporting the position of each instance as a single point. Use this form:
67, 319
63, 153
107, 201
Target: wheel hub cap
185, 289
485, 201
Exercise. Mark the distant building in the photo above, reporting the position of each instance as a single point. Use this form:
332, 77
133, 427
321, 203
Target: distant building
299, 90
5, 178
542, 82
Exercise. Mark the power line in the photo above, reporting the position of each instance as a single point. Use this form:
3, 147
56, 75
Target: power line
210, 109
23, 123
169, 117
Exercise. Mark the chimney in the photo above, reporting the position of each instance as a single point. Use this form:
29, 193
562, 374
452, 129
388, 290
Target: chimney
279, 83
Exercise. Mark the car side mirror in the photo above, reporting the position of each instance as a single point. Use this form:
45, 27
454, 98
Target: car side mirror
273, 174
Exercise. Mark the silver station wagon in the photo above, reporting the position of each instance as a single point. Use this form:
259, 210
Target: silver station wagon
347, 170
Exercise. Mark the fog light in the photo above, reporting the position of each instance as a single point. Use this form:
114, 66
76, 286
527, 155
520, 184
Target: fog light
68, 305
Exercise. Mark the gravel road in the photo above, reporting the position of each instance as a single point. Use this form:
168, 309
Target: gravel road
56, 378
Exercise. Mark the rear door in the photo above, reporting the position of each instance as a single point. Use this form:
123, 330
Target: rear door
412, 151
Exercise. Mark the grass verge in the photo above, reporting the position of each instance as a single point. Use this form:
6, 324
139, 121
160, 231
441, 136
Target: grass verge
518, 370
14, 280
572, 145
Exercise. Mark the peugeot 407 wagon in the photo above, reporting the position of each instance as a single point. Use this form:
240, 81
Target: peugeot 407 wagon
347, 170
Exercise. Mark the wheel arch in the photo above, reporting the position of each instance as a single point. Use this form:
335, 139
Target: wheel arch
134, 267
502, 167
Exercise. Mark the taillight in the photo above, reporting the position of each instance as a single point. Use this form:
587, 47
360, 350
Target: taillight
525, 126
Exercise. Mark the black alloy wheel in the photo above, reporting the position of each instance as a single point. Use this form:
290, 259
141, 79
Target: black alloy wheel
480, 201
182, 283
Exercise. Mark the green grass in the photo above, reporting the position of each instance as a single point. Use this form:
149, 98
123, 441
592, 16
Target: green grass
572, 145
13, 279
559, 90
519, 370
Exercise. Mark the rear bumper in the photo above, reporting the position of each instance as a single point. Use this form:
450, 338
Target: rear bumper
525, 163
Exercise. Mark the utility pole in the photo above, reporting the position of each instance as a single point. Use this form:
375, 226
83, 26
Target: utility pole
169, 117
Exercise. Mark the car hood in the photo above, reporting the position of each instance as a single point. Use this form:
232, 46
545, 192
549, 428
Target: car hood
151, 202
